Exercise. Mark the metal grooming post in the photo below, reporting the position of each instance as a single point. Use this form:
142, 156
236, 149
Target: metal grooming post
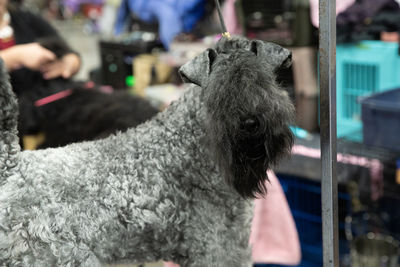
327, 85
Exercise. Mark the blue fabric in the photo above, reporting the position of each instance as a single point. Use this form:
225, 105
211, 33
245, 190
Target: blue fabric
173, 16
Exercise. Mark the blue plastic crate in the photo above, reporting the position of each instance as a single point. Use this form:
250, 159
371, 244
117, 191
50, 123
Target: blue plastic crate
304, 198
304, 263
381, 118
362, 69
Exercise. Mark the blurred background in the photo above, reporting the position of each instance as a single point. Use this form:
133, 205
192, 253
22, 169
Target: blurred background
118, 64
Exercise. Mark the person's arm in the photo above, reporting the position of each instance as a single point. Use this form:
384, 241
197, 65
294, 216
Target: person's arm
31, 56
66, 61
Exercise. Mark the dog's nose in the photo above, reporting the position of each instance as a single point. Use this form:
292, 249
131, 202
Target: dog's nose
250, 124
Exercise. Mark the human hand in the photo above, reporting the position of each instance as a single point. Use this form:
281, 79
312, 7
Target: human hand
65, 67
30, 55
33, 55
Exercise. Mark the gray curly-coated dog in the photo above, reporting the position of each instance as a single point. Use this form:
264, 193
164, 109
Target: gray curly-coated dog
177, 187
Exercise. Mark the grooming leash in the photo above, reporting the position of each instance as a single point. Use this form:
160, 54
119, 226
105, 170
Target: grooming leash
63, 94
225, 33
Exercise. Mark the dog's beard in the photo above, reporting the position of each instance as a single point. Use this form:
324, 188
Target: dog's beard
250, 165
246, 158
247, 124
254, 157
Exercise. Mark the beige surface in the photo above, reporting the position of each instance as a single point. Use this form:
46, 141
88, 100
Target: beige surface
31, 142
305, 70
142, 70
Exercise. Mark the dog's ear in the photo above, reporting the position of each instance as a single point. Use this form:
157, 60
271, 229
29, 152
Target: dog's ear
274, 54
198, 69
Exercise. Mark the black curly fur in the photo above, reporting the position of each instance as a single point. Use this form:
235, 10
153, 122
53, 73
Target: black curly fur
8, 125
84, 115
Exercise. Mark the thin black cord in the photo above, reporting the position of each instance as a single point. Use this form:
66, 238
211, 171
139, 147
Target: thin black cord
221, 18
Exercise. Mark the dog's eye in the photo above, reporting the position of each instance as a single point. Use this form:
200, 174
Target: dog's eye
250, 125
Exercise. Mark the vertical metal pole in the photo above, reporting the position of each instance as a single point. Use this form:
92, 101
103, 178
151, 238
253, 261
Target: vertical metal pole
327, 80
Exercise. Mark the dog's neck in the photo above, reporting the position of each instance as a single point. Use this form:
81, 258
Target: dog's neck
189, 114
186, 114
183, 124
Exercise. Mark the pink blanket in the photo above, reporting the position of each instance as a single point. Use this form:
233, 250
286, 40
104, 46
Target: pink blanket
273, 236
341, 5
229, 13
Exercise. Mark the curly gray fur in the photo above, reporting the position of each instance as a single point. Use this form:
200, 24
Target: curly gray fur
153, 192
9, 146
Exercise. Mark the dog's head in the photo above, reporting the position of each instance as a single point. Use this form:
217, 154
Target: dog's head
248, 114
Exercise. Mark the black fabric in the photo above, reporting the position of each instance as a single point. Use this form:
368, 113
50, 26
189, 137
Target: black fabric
361, 10
30, 28
385, 21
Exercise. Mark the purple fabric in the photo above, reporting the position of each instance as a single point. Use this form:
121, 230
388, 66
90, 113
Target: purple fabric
229, 12
361, 10
73, 5
173, 16
341, 5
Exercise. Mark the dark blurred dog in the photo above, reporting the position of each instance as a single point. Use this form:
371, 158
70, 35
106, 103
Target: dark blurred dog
83, 114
